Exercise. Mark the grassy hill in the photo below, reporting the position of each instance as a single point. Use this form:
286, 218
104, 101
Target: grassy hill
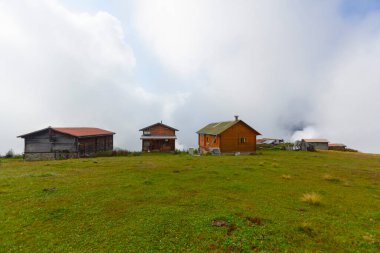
179, 203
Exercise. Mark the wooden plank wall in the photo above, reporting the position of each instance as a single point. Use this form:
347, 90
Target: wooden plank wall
160, 130
92, 145
230, 139
207, 141
43, 142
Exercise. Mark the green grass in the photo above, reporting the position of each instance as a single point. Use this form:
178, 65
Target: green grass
179, 203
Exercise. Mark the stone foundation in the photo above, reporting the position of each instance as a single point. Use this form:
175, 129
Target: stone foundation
48, 156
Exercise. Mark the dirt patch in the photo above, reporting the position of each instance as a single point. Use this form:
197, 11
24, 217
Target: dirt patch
222, 223
231, 229
219, 223
255, 221
53, 189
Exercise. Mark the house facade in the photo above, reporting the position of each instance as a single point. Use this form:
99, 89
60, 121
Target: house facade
62, 143
228, 137
158, 138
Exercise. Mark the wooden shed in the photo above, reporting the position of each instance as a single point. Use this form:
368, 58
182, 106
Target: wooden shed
321, 144
228, 137
158, 138
69, 142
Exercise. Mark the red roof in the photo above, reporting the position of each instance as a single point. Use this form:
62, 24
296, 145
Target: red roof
82, 131
75, 131
146, 128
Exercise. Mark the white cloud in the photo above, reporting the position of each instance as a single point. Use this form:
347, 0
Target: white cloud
283, 66
65, 68
289, 68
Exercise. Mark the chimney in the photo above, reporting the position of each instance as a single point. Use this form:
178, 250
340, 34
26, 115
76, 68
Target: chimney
236, 117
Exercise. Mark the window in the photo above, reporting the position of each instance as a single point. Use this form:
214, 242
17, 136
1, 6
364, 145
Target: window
146, 133
243, 140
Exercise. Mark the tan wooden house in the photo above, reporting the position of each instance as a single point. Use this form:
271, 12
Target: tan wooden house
229, 137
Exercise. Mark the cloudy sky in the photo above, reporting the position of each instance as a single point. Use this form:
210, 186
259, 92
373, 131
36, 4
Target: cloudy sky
290, 68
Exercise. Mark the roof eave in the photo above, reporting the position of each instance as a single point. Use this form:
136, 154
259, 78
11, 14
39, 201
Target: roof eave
158, 123
257, 133
89, 136
206, 133
24, 135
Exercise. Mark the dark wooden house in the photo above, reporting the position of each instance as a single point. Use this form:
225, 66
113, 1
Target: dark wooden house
158, 138
58, 143
228, 137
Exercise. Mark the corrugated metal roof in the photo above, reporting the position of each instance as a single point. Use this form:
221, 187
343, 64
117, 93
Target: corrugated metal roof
219, 127
315, 140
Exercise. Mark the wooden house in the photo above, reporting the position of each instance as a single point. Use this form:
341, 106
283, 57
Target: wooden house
58, 143
158, 138
321, 144
228, 137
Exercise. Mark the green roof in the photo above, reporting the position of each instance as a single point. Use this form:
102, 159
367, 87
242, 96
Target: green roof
220, 127
216, 128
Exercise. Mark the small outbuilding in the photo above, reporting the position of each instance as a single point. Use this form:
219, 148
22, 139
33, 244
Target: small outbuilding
228, 137
307, 144
66, 142
337, 146
158, 138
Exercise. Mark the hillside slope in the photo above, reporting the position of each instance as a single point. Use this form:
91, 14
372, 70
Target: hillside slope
179, 203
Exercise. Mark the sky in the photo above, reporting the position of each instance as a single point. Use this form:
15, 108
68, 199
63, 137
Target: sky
291, 69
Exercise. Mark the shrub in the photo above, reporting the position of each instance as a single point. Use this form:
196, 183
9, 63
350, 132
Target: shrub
286, 176
119, 152
350, 150
369, 238
331, 178
307, 228
10, 154
312, 198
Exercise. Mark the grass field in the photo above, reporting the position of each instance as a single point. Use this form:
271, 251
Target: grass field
276, 201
